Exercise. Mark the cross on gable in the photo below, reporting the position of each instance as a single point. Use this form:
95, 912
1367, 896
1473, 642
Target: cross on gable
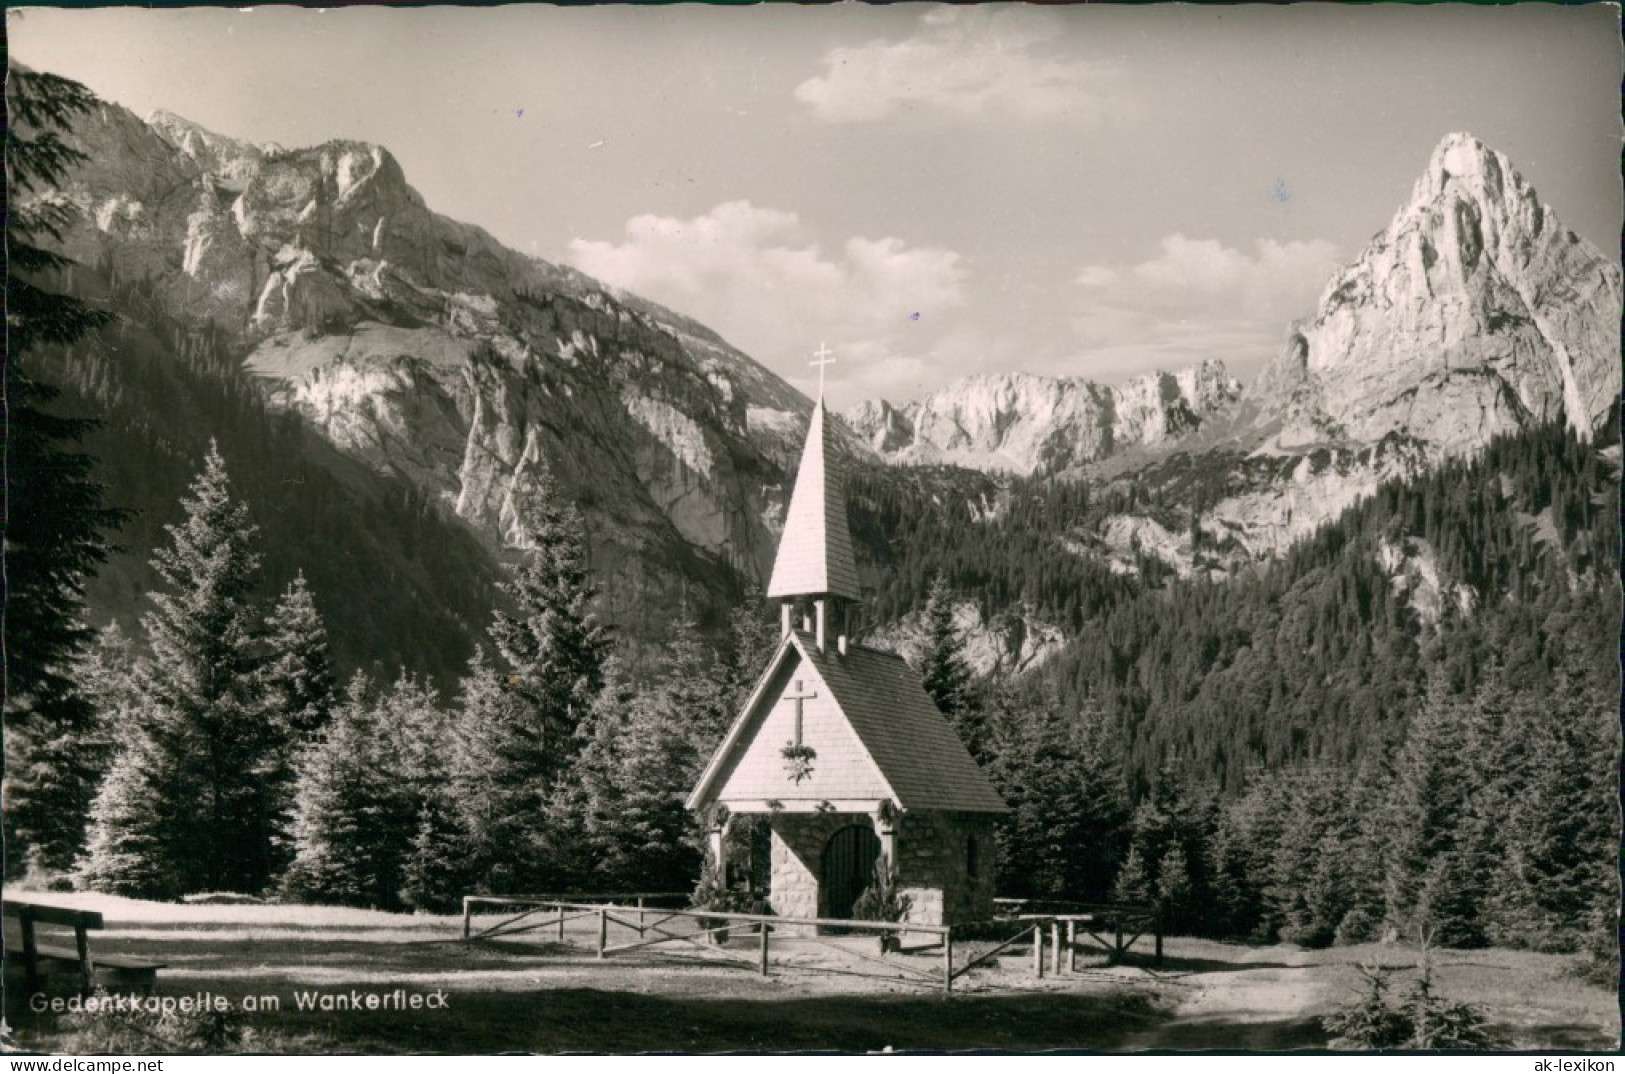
801, 694
822, 358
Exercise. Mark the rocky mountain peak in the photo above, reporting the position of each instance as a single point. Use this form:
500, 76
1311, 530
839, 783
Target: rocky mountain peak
441, 361
1475, 312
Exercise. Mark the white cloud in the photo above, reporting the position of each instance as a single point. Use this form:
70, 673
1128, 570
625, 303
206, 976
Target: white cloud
1198, 299
755, 275
974, 62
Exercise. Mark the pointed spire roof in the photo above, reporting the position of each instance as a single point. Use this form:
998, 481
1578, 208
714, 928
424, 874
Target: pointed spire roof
815, 553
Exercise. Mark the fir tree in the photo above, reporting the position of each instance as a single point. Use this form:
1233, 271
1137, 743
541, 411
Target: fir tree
753, 637
298, 675
351, 811
508, 814
1556, 875
1174, 889
1060, 776
130, 848
56, 767
1306, 884
634, 772
945, 674
519, 720
695, 690
1171, 832
1133, 883
553, 650
439, 868
56, 520
435, 852
207, 750
1430, 795
297, 687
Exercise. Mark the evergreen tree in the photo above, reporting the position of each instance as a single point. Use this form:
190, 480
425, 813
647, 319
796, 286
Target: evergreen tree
56, 767
55, 519
945, 674
207, 749
1171, 832
372, 825
1133, 883
510, 813
297, 687
1307, 884
351, 810
696, 692
435, 853
1234, 904
635, 769
1360, 854
1430, 796
753, 637
1556, 875
1060, 775
298, 675
1174, 889
553, 650
518, 731
439, 868
130, 848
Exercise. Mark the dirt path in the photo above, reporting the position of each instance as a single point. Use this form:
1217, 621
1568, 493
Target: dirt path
1269, 1001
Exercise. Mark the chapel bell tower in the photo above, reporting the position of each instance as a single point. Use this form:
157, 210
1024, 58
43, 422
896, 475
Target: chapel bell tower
815, 577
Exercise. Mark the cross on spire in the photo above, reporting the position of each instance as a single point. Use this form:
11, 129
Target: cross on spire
822, 358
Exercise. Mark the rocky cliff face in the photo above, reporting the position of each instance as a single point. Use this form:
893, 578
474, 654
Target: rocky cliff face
428, 356
1475, 312
426, 350
1026, 424
1015, 641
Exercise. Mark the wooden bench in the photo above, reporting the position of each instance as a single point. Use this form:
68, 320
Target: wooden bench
37, 958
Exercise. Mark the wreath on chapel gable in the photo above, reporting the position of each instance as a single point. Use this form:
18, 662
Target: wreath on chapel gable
798, 760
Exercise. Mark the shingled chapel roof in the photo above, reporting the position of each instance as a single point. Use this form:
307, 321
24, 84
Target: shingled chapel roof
908, 738
815, 553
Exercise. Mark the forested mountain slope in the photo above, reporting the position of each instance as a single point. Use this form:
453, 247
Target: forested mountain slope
1508, 559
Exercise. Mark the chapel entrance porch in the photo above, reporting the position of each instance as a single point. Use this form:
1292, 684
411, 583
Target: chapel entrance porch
848, 866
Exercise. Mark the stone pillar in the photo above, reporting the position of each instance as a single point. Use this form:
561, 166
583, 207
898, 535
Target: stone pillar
884, 819
717, 840
719, 852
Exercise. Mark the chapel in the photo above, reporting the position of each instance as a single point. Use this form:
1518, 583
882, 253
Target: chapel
840, 747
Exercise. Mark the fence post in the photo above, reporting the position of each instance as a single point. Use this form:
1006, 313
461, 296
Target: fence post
467, 911
561, 923
603, 931
763, 926
1055, 946
640, 917
1117, 938
87, 968
31, 979
948, 959
1159, 938
1038, 951
1071, 946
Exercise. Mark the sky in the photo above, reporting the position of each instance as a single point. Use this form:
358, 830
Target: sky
931, 191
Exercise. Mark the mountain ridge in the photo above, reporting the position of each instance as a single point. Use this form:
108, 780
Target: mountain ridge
447, 365
460, 374
1025, 423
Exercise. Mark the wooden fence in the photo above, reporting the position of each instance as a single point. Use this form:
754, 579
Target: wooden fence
712, 928
1125, 923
